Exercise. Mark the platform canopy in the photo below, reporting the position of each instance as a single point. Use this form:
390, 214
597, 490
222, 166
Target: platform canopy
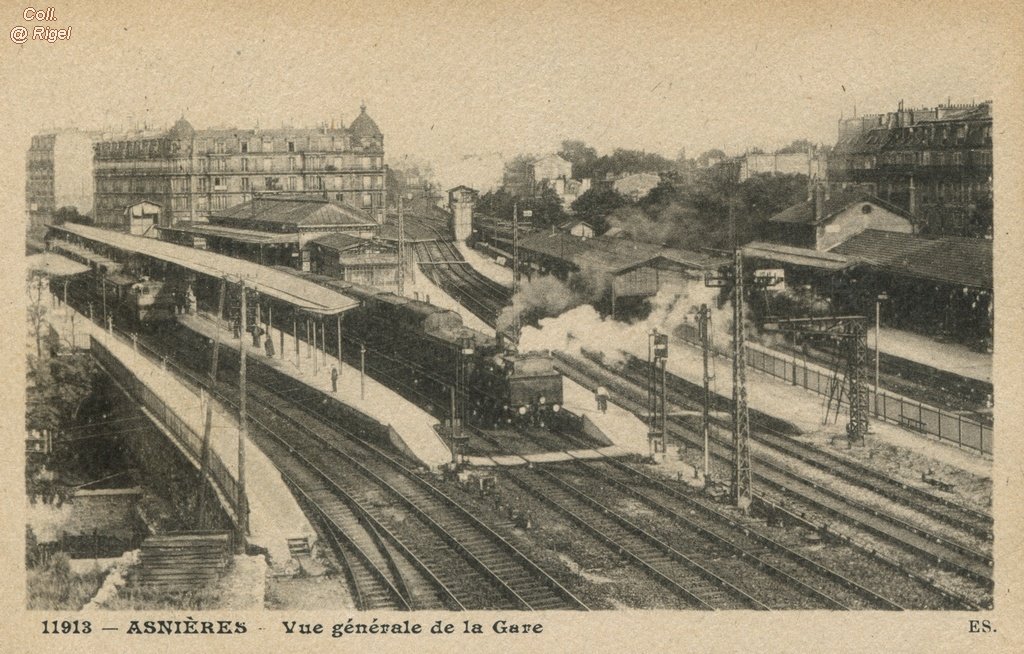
53, 264
280, 285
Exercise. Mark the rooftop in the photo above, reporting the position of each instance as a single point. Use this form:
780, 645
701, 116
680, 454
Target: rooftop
300, 293
949, 259
607, 254
838, 200
795, 256
302, 211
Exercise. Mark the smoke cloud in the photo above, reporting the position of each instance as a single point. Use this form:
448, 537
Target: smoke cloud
582, 327
543, 296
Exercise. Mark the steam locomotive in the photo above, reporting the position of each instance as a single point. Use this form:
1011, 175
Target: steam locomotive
132, 299
436, 347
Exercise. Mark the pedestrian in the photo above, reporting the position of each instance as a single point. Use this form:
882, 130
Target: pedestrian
269, 344
602, 399
334, 379
236, 328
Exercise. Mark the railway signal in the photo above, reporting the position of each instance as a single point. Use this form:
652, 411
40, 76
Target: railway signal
657, 357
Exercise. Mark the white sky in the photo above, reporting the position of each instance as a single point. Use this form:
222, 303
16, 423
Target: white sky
445, 80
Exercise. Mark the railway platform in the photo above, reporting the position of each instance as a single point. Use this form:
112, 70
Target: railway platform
949, 357
779, 398
274, 515
485, 265
411, 425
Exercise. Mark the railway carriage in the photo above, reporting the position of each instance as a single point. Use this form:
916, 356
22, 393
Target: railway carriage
503, 386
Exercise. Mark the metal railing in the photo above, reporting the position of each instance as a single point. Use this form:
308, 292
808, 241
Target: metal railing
186, 437
907, 413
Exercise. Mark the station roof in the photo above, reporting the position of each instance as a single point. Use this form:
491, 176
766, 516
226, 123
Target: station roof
233, 233
795, 256
298, 292
299, 211
614, 255
51, 263
947, 259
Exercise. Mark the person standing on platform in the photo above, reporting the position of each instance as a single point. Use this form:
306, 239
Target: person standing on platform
602, 399
334, 379
269, 346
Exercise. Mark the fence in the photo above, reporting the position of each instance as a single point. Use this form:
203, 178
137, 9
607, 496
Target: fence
186, 437
896, 409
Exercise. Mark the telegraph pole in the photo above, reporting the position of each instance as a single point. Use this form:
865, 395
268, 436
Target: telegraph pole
243, 427
401, 246
742, 484
204, 465
516, 325
704, 325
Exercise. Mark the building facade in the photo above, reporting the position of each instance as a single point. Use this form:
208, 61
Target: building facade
58, 173
195, 173
812, 163
935, 163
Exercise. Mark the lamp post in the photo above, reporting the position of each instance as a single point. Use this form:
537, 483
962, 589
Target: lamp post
882, 297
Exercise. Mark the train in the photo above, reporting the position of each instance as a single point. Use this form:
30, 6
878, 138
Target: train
133, 300
425, 346
506, 386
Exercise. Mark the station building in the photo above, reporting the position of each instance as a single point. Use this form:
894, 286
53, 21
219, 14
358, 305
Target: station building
853, 248
273, 230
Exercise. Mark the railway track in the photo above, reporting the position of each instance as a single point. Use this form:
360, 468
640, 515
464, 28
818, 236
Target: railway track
958, 516
801, 582
470, 564
782, 488
442, 262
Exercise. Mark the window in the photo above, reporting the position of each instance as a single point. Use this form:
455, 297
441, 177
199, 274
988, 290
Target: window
246, 184
204, 184
218, 184
367, 200
291, 163
219, 147
367, 182
245, 146
291, 146
293, 183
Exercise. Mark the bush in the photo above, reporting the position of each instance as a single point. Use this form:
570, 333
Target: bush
53, 586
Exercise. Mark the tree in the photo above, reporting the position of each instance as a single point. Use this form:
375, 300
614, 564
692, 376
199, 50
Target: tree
517, 178
547, 208
581, 156
596, 205
799, 145
69, 214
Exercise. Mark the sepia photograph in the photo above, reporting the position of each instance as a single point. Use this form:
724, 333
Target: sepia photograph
399, 311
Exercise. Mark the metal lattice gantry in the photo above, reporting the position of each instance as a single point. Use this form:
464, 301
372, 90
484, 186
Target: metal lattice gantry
733, 277
851, 331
